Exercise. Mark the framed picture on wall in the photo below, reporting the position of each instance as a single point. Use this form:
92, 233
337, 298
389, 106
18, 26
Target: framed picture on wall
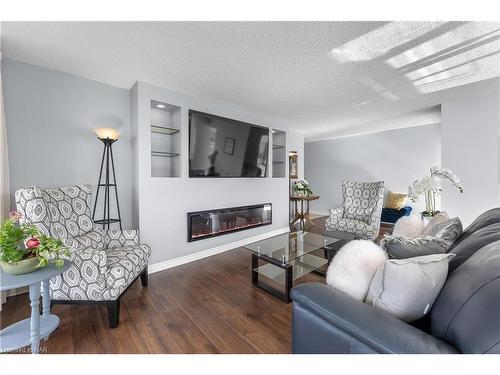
229, 145
293, 164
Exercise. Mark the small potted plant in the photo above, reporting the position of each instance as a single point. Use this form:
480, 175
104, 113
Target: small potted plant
24, 248
302, 187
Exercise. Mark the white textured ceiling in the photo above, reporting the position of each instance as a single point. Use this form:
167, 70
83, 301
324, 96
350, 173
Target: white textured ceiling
324, 78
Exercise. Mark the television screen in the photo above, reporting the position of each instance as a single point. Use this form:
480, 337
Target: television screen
222, 147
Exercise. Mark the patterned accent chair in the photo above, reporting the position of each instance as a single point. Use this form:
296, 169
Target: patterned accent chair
105, 262
361, 210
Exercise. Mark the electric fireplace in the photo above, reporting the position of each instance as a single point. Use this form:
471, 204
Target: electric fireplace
216, 222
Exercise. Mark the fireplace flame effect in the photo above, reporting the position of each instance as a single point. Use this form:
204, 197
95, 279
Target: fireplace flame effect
205, 224
231, 229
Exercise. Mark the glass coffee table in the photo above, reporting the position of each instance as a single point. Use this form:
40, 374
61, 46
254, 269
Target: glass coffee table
289, 256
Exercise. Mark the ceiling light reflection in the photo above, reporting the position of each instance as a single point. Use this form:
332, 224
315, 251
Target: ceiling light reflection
464, 55
378, 42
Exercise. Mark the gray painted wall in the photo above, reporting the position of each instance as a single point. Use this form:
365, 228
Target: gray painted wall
397, 157
471, 148
50, 118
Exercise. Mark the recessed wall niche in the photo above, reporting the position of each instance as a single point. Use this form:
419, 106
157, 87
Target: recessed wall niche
165, 140
279, 153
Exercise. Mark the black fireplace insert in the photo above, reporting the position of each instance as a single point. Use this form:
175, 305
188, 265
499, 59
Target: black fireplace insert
216, 222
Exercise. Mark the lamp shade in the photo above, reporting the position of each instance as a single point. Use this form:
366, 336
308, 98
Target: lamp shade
107, 133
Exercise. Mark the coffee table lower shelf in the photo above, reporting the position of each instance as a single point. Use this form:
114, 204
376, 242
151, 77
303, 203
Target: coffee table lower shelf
283, 273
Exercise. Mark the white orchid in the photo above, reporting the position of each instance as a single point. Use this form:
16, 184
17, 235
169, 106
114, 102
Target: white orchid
430, 186
448, 174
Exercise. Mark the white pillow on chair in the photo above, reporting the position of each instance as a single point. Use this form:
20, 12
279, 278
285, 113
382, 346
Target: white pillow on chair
353, 267
410, 226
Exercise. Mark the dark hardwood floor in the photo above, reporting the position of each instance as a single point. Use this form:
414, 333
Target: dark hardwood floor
208, 306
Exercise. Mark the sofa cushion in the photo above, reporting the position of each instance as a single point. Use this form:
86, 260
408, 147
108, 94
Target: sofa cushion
361, 199
124, 265
359, 228
485, 219
92, 240
407, 288
466, 312
33, 208
69, 210
473, 243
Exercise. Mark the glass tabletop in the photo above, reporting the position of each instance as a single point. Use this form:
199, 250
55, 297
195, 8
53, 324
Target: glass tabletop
289, 246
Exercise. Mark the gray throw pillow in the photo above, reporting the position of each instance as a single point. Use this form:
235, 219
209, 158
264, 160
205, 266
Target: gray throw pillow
402, 247
447, 231
407, 288
439, 218
437, 240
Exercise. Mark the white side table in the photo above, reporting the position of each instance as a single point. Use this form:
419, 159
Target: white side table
37, 327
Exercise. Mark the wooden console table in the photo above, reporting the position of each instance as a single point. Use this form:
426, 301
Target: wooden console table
302, 215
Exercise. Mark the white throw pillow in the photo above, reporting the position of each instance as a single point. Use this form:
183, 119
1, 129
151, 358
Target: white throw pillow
407, 288
410, 226
353, 267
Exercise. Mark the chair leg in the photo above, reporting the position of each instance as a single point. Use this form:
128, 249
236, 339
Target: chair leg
144, 277
113, 312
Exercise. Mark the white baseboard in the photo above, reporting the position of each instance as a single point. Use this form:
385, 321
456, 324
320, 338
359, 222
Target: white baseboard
10, 293
157, 267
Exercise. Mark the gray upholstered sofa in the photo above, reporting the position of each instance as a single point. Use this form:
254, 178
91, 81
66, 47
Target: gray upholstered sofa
464, 319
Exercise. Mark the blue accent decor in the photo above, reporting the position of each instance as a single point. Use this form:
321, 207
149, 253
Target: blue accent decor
390, 215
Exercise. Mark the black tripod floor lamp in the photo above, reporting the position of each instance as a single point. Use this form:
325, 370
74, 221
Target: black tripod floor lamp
108, 136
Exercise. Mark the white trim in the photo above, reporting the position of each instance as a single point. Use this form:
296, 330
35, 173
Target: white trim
157, 267
349, 135
11, 293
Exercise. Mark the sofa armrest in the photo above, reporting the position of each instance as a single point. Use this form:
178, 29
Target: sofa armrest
114, 238
326, 320
334, 215
337, 212
375, 217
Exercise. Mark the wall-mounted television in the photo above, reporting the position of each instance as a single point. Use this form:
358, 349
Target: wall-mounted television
223, 147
